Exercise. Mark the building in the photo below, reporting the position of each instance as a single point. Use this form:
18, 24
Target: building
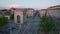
30, 11
54, 12
12, 10
19, 15
5, 12
42, 12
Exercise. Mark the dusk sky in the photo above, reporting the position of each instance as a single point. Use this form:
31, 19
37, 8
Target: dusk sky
37, 4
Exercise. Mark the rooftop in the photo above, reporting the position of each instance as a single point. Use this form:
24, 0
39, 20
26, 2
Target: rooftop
54, 7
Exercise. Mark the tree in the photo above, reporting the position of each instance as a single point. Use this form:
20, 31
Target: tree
47, 24
12, 16
3, 21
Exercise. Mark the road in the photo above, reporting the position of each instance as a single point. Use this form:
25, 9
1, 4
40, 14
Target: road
30, 27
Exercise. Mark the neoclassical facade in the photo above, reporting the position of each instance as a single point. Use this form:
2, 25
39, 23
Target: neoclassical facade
20, 15
30, 11
42, 12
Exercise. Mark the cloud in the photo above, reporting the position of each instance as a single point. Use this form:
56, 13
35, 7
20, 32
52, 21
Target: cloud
13, 5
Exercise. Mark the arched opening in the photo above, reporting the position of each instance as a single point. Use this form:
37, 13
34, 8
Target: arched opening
18, 19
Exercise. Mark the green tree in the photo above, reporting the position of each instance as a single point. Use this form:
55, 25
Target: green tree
12, 16
3, 21
48, 25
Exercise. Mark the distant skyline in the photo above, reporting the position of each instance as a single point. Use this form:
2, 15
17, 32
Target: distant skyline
36, 4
